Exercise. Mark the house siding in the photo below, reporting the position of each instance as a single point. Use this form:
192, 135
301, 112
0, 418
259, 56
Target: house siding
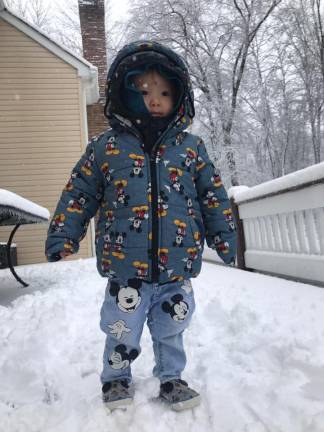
41, 132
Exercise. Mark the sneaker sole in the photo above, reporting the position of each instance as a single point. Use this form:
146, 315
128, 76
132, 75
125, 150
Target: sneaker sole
118, 403
188, 404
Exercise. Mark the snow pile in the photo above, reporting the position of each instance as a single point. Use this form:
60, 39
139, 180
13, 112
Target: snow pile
255, 351
11, 199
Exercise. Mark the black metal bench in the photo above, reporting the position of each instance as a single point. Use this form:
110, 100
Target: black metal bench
16, 215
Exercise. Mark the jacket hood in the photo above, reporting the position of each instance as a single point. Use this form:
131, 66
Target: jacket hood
135, 58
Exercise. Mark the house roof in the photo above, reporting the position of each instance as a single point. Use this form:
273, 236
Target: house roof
87, 71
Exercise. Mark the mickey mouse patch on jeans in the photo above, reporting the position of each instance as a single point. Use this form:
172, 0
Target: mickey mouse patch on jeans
178, 309
128, 297
120, 358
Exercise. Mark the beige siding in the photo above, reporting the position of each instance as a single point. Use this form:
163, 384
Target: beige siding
41, 132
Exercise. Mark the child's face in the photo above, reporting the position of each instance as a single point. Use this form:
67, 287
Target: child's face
157, 93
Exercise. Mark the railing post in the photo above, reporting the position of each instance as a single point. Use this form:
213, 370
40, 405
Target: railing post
240, 235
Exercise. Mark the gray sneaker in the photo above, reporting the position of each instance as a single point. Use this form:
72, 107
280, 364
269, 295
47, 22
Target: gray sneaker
116, 394
178, 395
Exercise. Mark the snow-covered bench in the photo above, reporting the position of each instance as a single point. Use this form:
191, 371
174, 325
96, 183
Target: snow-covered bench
16, 210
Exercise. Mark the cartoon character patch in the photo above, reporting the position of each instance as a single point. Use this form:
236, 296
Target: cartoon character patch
88, 163
229, 219
107, 173
180, 232
68, 246
220, 245
190, 209
200, 163
105, 266
178, 309
57, 223
181, 135
210, 199
111, 146
163, 259
128, 298
190, 158
69, 186
138, 164
160, 154
216, 180
141, 269
149, 192
197, 238
162, 204
118, 328
110, 219
108, 241
118, 246
141, 214
193, 255
121, 196
77, 205
174, 175
120, 358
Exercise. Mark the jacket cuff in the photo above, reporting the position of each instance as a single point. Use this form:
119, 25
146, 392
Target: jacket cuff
53, 257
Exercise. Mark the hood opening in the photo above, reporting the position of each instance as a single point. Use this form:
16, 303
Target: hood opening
134, 59
132, 98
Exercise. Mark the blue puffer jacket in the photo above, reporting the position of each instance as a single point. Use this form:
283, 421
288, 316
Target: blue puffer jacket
155, 210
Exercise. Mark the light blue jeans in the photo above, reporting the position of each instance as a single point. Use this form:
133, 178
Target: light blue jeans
167, 309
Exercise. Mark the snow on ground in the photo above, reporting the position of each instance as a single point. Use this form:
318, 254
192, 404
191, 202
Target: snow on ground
255, 351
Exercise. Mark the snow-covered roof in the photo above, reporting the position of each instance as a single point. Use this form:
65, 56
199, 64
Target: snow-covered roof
311, 174
87, 71
16, 209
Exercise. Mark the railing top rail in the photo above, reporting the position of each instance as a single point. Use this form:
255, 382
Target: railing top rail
279, 192
297, 180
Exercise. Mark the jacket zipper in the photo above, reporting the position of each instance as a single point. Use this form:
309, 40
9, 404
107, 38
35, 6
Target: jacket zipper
155, 218
154, 202
154, 206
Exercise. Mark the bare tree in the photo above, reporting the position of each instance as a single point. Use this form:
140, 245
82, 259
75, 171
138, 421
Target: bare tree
304, 32
36, 12
18, 6
316, 8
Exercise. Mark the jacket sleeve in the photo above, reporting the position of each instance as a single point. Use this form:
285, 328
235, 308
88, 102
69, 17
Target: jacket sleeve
78, 203
216, 210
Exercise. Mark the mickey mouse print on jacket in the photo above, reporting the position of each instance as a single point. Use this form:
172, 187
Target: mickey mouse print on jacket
155, 210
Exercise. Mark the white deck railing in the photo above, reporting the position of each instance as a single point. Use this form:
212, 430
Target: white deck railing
281, 225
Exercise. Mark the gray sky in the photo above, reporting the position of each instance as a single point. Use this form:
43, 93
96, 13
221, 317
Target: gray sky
119, 9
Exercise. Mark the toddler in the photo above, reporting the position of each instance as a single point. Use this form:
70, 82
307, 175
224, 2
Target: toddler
159, 197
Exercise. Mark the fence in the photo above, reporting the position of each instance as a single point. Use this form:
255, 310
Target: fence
281, 225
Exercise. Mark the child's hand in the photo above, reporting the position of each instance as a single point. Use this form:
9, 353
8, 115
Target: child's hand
64, 254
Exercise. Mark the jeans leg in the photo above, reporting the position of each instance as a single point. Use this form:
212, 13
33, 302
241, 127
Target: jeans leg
172, 307
123, 314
